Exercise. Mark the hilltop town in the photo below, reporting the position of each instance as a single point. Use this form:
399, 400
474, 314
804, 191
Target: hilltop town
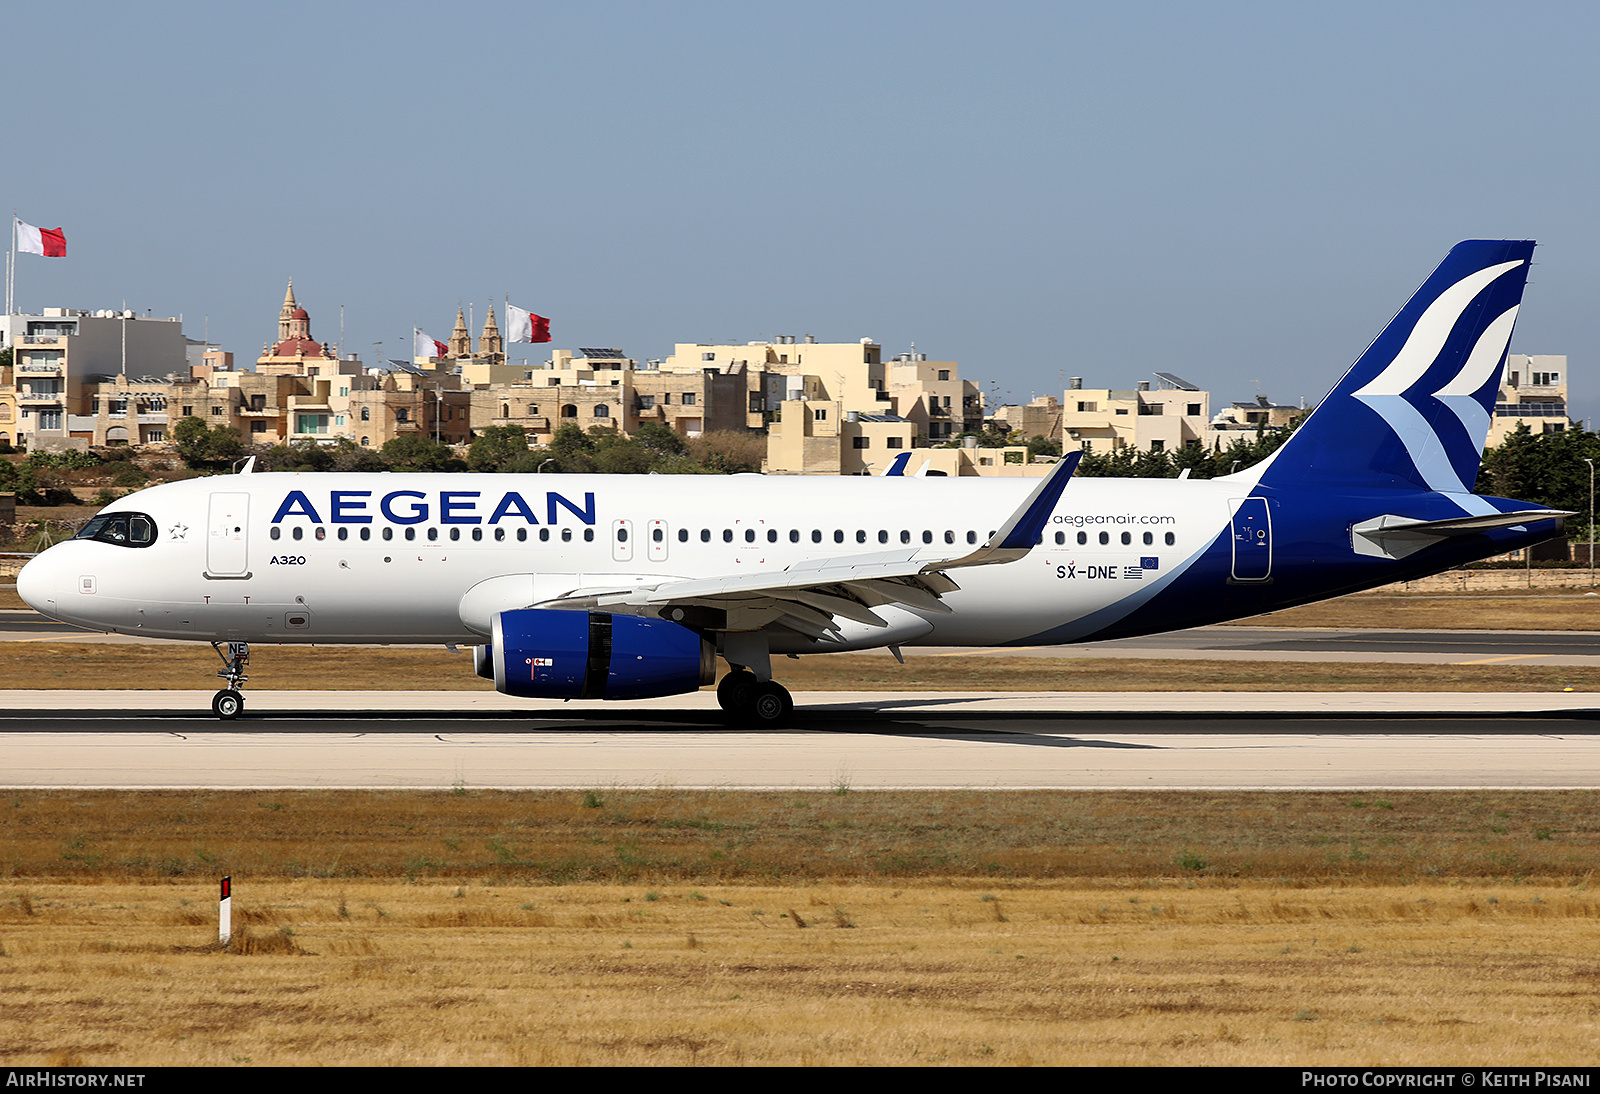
76, 381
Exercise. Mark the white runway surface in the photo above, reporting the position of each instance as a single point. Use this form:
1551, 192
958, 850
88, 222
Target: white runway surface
883, 740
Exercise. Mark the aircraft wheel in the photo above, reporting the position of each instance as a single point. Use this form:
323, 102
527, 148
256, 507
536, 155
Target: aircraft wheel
227, 704
771, 705
737, 691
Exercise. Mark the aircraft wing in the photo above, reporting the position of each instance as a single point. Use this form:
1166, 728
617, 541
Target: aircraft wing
809, 597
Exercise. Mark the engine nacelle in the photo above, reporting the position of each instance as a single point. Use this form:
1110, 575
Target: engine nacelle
546, 653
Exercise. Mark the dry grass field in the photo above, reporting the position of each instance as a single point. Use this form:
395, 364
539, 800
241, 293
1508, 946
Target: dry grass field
729, 836
726, 928
658, 927
1007, 973
1551, 610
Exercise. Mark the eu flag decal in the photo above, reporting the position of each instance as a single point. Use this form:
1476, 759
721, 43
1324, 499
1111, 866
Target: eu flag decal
1149, 562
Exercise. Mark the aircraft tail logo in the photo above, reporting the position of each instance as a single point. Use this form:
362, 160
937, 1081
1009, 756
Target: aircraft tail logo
1414, 410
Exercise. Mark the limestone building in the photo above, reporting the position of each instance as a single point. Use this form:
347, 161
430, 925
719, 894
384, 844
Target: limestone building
61, 353
839, 407
1160, 419
1533, 392
602, 387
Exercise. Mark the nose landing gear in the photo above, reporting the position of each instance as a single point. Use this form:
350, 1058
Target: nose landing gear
228, 703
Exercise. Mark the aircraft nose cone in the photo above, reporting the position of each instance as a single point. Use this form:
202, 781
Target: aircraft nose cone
38, 583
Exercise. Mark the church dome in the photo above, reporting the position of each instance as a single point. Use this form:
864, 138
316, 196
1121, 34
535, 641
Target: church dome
298, 347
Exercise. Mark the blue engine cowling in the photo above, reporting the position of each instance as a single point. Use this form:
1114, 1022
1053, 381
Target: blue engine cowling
544, 653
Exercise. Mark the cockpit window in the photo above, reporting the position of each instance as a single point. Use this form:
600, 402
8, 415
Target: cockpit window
123, 529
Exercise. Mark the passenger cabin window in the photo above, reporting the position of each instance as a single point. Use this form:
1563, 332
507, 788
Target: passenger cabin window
122, 529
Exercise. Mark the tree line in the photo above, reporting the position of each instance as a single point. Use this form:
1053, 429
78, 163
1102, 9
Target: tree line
653, 449
1543, 468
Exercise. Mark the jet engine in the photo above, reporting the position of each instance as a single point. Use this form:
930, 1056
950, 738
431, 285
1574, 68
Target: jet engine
546, 653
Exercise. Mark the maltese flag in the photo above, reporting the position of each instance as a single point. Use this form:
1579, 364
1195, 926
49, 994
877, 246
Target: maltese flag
524, 326
423, 346
49, 242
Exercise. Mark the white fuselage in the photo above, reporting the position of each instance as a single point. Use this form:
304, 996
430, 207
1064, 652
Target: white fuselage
388, 558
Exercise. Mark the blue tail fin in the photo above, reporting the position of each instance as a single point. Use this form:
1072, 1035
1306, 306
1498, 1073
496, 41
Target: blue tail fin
1413, 412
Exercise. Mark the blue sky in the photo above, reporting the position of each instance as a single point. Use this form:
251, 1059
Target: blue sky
1242, 194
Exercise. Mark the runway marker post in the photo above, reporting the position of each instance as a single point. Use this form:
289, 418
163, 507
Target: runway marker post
225, 912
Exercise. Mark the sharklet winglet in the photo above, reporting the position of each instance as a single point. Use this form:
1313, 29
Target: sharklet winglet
1021, 531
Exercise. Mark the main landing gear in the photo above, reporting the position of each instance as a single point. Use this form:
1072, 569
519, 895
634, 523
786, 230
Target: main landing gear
228, 703
749, 701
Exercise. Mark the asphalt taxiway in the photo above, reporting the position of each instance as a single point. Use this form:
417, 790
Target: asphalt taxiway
146, 740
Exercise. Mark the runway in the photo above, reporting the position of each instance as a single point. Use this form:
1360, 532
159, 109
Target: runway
147, 740
1216, 740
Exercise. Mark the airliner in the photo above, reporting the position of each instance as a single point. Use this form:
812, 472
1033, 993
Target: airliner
633, 587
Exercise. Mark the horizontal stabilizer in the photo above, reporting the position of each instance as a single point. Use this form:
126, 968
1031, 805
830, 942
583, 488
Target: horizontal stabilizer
1391, 536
